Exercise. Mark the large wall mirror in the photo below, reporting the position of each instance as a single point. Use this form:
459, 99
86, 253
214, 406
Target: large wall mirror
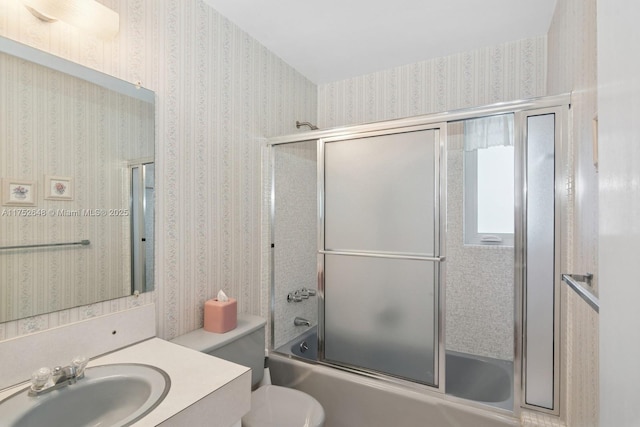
77, 184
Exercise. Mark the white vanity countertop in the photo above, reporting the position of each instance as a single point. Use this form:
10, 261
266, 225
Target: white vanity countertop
194, 375
195, 378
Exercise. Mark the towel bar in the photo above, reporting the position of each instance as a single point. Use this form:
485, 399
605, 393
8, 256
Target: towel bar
573, 279
44, 245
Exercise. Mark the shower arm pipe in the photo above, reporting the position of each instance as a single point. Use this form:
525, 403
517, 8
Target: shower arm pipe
311, 126
46, 245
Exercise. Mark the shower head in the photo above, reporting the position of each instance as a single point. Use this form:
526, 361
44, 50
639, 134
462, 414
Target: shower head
312, 127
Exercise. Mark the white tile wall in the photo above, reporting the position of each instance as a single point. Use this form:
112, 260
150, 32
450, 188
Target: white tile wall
536, 419
479, 279
295, 229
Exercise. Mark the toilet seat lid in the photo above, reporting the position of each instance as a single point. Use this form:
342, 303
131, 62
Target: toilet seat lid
275, 406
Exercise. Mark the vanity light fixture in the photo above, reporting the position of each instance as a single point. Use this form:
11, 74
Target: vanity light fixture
88, 15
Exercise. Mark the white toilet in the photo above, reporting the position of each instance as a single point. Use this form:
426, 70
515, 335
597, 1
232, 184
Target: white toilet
271, 406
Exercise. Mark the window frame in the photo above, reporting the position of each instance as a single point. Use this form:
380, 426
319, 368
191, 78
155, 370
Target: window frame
471, 236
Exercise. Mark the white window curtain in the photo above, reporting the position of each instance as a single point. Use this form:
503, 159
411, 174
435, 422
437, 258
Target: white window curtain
491, 131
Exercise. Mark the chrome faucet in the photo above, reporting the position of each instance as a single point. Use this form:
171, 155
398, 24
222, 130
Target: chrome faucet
300, 294
45, 380
299, 321
68, 374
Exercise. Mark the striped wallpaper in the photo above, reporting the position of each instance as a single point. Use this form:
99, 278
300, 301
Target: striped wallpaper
505, 72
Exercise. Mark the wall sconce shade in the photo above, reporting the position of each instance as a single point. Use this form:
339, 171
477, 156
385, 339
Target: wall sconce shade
88, 15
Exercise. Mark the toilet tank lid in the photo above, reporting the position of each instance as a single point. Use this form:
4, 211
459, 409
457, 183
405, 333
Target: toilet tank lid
207, 342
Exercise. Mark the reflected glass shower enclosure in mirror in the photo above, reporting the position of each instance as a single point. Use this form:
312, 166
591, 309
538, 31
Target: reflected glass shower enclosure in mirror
142, 225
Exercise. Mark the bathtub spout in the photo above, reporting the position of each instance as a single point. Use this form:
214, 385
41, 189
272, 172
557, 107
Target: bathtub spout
299, 321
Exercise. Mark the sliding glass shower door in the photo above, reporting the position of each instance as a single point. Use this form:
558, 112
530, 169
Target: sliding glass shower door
380, 253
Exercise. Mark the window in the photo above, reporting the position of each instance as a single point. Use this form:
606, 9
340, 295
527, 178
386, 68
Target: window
489, 181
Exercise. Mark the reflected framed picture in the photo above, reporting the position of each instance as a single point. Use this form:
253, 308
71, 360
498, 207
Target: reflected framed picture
18, 192
58, 187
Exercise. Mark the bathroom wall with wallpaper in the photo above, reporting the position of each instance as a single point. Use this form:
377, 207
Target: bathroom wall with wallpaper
573, 68
505, 72
219, 95
479, 279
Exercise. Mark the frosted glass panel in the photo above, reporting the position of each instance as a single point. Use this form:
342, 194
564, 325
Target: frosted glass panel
380, 315
379, 193
540, 260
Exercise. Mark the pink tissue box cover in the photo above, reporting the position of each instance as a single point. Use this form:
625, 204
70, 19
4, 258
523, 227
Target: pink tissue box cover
220, 317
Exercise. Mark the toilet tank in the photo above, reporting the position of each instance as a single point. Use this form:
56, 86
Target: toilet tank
243, 345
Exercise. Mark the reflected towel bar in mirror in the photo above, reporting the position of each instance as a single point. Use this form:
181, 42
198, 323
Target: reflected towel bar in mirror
45, 245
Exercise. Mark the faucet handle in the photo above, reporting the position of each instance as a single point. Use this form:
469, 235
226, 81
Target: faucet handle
309, 292
40, 378
294, 297
79, 363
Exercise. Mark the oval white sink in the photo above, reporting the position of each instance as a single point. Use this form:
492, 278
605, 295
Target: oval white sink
108, 395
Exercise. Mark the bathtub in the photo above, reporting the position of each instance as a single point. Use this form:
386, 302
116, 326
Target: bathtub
352, 400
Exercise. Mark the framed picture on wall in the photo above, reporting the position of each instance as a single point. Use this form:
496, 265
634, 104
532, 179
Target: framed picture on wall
58, 187
18, 192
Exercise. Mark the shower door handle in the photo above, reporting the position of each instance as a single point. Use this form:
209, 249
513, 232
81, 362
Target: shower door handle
388, 255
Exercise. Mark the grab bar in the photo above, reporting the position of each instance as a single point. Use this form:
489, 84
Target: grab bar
573, 279
44, 245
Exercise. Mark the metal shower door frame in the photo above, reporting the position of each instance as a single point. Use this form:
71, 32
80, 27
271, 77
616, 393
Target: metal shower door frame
562, 115
439, 206
520, 108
